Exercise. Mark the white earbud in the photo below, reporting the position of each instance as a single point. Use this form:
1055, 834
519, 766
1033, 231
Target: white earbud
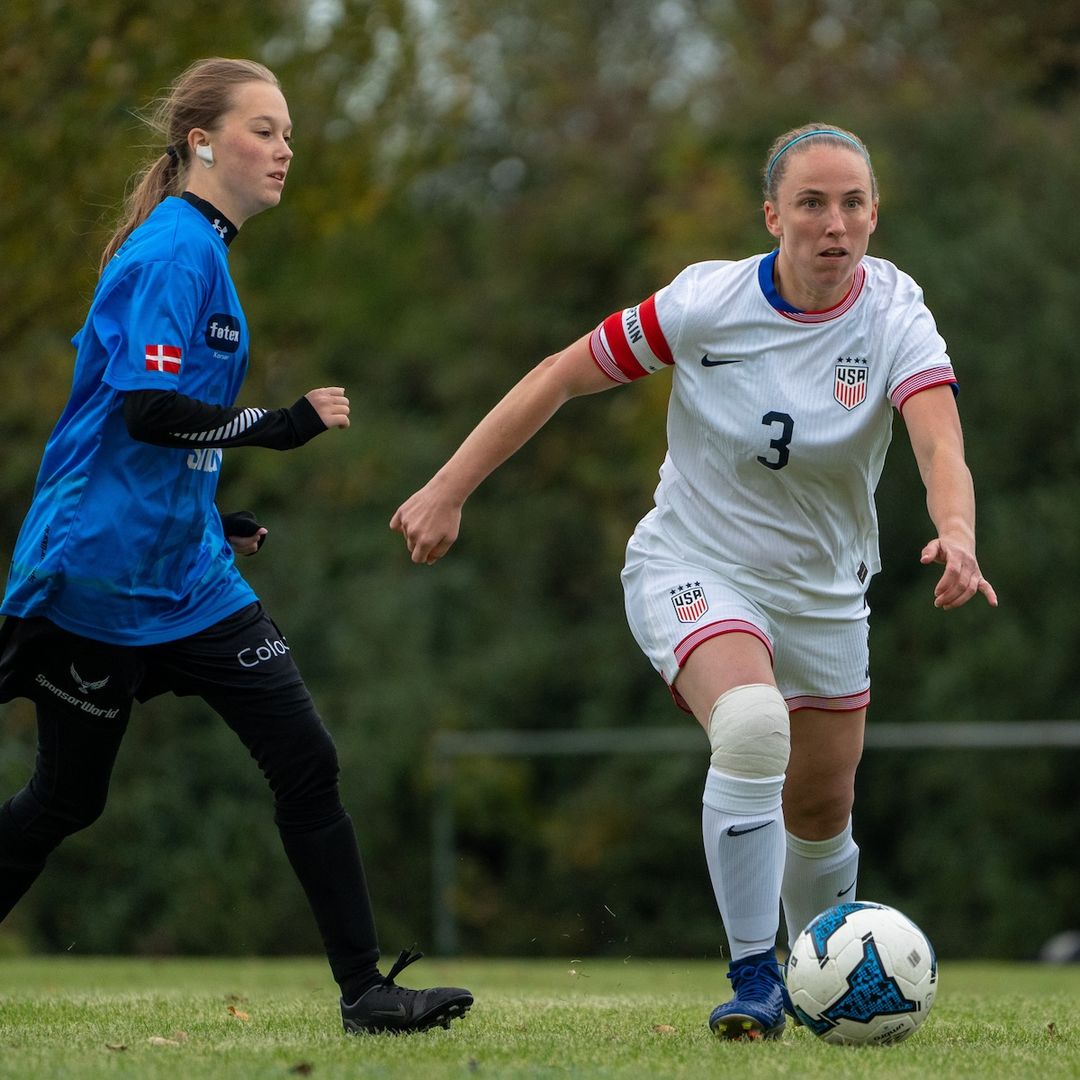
206, 155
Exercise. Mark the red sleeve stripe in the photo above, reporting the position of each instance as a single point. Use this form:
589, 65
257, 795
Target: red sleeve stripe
629, 343
653, 334
636, 328
602, 355
612, 351
622, 346
922, 380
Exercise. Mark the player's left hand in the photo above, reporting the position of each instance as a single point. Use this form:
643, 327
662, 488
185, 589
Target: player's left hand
244, 534
961, 579
331, 404
247, 545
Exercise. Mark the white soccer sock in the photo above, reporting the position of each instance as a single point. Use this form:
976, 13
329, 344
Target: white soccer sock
742, 826
818, 874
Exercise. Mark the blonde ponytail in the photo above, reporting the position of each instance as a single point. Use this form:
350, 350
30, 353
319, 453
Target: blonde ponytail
159, 179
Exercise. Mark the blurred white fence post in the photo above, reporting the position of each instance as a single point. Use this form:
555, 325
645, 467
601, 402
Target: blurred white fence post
450, 746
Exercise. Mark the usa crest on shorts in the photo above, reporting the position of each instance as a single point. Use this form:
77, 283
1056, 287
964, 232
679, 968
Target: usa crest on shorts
689, 602
849, 388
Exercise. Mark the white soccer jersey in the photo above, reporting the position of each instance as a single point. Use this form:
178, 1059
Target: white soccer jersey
779, 420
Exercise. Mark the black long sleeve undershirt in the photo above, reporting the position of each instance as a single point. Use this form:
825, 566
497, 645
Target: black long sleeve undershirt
168, 418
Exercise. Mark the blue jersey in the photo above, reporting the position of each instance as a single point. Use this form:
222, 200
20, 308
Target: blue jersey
123, 542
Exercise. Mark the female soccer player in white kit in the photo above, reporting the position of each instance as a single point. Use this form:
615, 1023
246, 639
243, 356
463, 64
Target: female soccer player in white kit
745, 585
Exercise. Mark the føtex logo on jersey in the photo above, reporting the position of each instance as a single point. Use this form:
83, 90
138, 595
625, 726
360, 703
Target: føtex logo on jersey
223, 332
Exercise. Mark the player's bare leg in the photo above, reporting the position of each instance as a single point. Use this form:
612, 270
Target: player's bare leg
822, 862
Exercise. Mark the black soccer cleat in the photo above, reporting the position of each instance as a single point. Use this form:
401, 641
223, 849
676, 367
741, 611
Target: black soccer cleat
399, 1010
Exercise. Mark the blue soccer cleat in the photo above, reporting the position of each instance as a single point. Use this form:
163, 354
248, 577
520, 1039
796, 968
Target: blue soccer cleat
757, 1009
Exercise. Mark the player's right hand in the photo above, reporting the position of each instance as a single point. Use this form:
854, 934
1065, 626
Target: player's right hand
429, 524
331, 404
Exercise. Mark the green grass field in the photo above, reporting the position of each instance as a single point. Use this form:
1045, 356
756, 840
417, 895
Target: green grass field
74, 1018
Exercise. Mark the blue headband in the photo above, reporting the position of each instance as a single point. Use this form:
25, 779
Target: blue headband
806, 135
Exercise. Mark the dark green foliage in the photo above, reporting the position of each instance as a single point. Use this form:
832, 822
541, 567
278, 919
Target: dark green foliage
471, 192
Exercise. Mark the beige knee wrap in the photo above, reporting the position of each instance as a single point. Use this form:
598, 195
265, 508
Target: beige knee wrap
750, 732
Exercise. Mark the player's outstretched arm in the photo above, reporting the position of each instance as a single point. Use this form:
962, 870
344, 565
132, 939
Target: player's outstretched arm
937, 440
169, 418
429, 520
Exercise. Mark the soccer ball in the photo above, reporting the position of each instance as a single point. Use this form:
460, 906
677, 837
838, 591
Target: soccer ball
862, 973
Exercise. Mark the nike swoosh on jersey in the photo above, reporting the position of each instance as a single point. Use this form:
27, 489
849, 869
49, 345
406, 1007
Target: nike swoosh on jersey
706, 362
732, 831
844, 892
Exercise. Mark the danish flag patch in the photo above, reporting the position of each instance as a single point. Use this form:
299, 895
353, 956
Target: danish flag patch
167, 358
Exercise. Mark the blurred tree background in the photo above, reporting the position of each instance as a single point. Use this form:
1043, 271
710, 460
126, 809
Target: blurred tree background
477, 183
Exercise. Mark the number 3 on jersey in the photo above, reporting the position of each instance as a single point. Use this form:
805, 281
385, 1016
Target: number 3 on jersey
780, 443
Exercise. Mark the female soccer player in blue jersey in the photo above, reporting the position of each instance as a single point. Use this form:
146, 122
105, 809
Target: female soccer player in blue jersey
123, 583
745, 585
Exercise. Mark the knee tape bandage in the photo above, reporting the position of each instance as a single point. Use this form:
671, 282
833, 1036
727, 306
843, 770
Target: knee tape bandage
750, 732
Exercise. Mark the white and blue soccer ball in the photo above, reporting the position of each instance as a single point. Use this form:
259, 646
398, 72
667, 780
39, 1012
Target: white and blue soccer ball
862, 973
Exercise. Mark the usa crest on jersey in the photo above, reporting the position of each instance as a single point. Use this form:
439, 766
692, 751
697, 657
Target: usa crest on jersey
849, 389
690, 603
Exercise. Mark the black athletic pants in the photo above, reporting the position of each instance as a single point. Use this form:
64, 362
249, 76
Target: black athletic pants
243, 668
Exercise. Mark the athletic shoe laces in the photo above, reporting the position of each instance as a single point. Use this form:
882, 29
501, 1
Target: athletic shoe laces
754, 982
405, 958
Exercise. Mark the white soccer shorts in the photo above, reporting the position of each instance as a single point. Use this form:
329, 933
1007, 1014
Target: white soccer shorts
821, 657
